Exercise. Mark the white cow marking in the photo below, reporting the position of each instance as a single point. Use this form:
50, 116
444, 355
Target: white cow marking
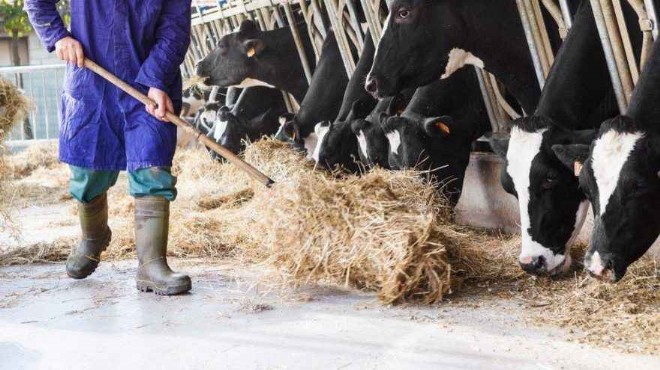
362, 140
310, 143
251, 82
219, 129
394, 137
611, 152
596, 264
580, 216
207, 117
523, 147
458, 58
321, 131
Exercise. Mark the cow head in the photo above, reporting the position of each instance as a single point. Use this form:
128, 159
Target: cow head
372, 142
552, 207
229, 131
336, 144
290, 132
415, 45
421, 143
235, 58
620, 174
206, 117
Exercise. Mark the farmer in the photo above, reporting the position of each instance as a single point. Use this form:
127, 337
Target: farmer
104, 131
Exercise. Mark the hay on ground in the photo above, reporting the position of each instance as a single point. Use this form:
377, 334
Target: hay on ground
14, 108
385, 232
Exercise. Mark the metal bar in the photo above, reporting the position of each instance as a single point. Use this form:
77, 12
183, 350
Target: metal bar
536, 59
495, 127
536, 33
543, 33
609, 55
653, 16
45, 99
566, 11
374, 26
617, 47
340, 35
625, 38
298, 41
352, 13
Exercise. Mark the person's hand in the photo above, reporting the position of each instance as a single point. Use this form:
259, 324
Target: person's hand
70, 50
162, 100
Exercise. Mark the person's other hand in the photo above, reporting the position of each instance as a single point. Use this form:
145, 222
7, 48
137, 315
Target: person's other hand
163, 101
70, 50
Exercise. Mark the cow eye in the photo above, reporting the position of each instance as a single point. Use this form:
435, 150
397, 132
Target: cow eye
549, 181
403, 13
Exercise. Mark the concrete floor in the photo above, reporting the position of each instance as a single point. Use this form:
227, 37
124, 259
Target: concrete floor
49, 321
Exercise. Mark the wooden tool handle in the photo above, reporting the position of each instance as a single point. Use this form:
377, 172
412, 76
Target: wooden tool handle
199, 136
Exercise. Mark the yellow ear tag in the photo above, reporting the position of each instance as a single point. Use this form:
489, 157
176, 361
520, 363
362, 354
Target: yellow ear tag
444, 128
293, 136
251, 52
577, 167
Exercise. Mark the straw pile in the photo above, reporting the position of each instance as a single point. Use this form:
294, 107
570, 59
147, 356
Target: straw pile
14, 107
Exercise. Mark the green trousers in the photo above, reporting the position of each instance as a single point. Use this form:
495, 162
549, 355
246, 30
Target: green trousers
86, 184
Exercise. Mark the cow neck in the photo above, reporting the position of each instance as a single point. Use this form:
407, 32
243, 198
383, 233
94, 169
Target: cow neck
323, 99
578, 93
355, 90
498, 39
290, 77
645, 104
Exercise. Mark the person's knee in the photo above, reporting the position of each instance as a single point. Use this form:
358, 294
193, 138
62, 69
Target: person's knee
153, 181
86, 184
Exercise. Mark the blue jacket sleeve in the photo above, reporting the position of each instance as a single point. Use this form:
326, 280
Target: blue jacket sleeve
161, 67
46, 21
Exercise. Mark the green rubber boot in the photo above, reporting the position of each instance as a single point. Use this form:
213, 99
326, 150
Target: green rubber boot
95, 239
152, 216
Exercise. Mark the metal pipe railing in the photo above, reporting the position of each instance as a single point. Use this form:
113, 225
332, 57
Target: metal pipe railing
609, 55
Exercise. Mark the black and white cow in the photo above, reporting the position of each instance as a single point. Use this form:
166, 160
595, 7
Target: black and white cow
620, 174
251, 57
423, 41
254, 115
322, 101
578, 95
373, 147
336, 145
436, 130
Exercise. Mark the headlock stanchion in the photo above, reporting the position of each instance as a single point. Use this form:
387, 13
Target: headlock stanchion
615, 38
179, 122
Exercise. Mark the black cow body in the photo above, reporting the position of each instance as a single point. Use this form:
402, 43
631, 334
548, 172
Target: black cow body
578, 95
425, 40
322, 101
621, 178
251, 57
435, 132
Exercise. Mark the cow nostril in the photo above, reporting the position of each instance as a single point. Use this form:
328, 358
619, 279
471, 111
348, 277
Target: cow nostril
371, 85
538, 262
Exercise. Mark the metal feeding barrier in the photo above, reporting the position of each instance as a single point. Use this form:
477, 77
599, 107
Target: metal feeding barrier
623, 65
43, 86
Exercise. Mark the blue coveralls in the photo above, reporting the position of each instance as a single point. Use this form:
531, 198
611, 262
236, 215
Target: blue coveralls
103, 130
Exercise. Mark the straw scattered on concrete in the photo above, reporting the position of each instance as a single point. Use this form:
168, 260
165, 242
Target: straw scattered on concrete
384, 232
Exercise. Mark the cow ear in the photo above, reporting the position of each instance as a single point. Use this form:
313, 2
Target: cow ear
499, 144
439, 126
360, 109
253, 47
397, 105
572, 156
